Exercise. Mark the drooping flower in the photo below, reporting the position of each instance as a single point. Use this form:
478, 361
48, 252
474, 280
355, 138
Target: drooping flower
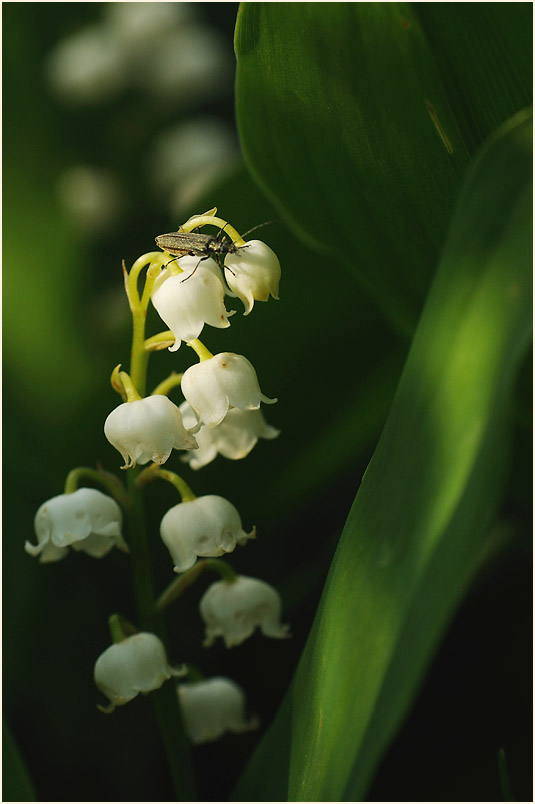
225, 380
252, 273
147, 430
207, 526
86, 520
137, 664
188, 301
233, 609
234, 437
212, 707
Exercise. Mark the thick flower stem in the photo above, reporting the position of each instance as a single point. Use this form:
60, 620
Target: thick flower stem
140, 555
139, 356
165, 699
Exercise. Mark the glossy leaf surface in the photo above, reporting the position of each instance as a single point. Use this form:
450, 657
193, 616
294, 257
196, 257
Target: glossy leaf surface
419, 526
360, 120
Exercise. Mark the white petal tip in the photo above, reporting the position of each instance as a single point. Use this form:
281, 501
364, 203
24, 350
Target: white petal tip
34, 549
107, 710
179, 672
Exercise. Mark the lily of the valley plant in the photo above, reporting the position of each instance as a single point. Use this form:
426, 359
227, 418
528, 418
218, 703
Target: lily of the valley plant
220, 414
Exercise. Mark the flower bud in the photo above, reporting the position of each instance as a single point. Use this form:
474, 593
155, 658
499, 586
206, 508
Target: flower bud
207, 526
253, 272
226, 380
212, 707
233, 609
147, 430
137, 664
234, 437
188, 301
85, 520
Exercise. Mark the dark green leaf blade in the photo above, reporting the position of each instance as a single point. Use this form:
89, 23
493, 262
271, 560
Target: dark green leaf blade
419, 526
348, 119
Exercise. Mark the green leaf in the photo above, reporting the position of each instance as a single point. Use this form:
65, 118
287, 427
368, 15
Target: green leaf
360, 119
16, 784
419, 527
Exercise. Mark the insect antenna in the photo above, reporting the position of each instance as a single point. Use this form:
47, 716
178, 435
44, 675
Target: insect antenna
259, 226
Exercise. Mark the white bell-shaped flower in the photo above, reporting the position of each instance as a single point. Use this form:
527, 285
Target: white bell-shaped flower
147, 430
207, 526
212, 707
233, 609
137, 664
86, 520
233, 438
188, 301
225, 380
252, 273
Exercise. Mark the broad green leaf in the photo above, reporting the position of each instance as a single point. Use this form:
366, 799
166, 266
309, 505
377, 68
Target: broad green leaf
419, 527
360, 119
16, 784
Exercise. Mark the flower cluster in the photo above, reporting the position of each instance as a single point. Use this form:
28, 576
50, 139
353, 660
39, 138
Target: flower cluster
220, 414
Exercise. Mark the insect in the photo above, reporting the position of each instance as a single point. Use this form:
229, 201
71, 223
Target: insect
193, 244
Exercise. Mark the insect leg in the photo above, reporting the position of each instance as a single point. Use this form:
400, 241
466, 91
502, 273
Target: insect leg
190, 275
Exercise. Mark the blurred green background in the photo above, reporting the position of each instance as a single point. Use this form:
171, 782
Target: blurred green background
115, 130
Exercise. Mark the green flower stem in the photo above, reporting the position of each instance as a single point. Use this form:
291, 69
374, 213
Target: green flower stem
206, 220
153, 472
147, 475
177, 587
224, 569
132, 394
200, 349
116, 631
165, 699
139, 357
153, 271
132, 276
110, 482
180, 485
169, 383
120, 628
